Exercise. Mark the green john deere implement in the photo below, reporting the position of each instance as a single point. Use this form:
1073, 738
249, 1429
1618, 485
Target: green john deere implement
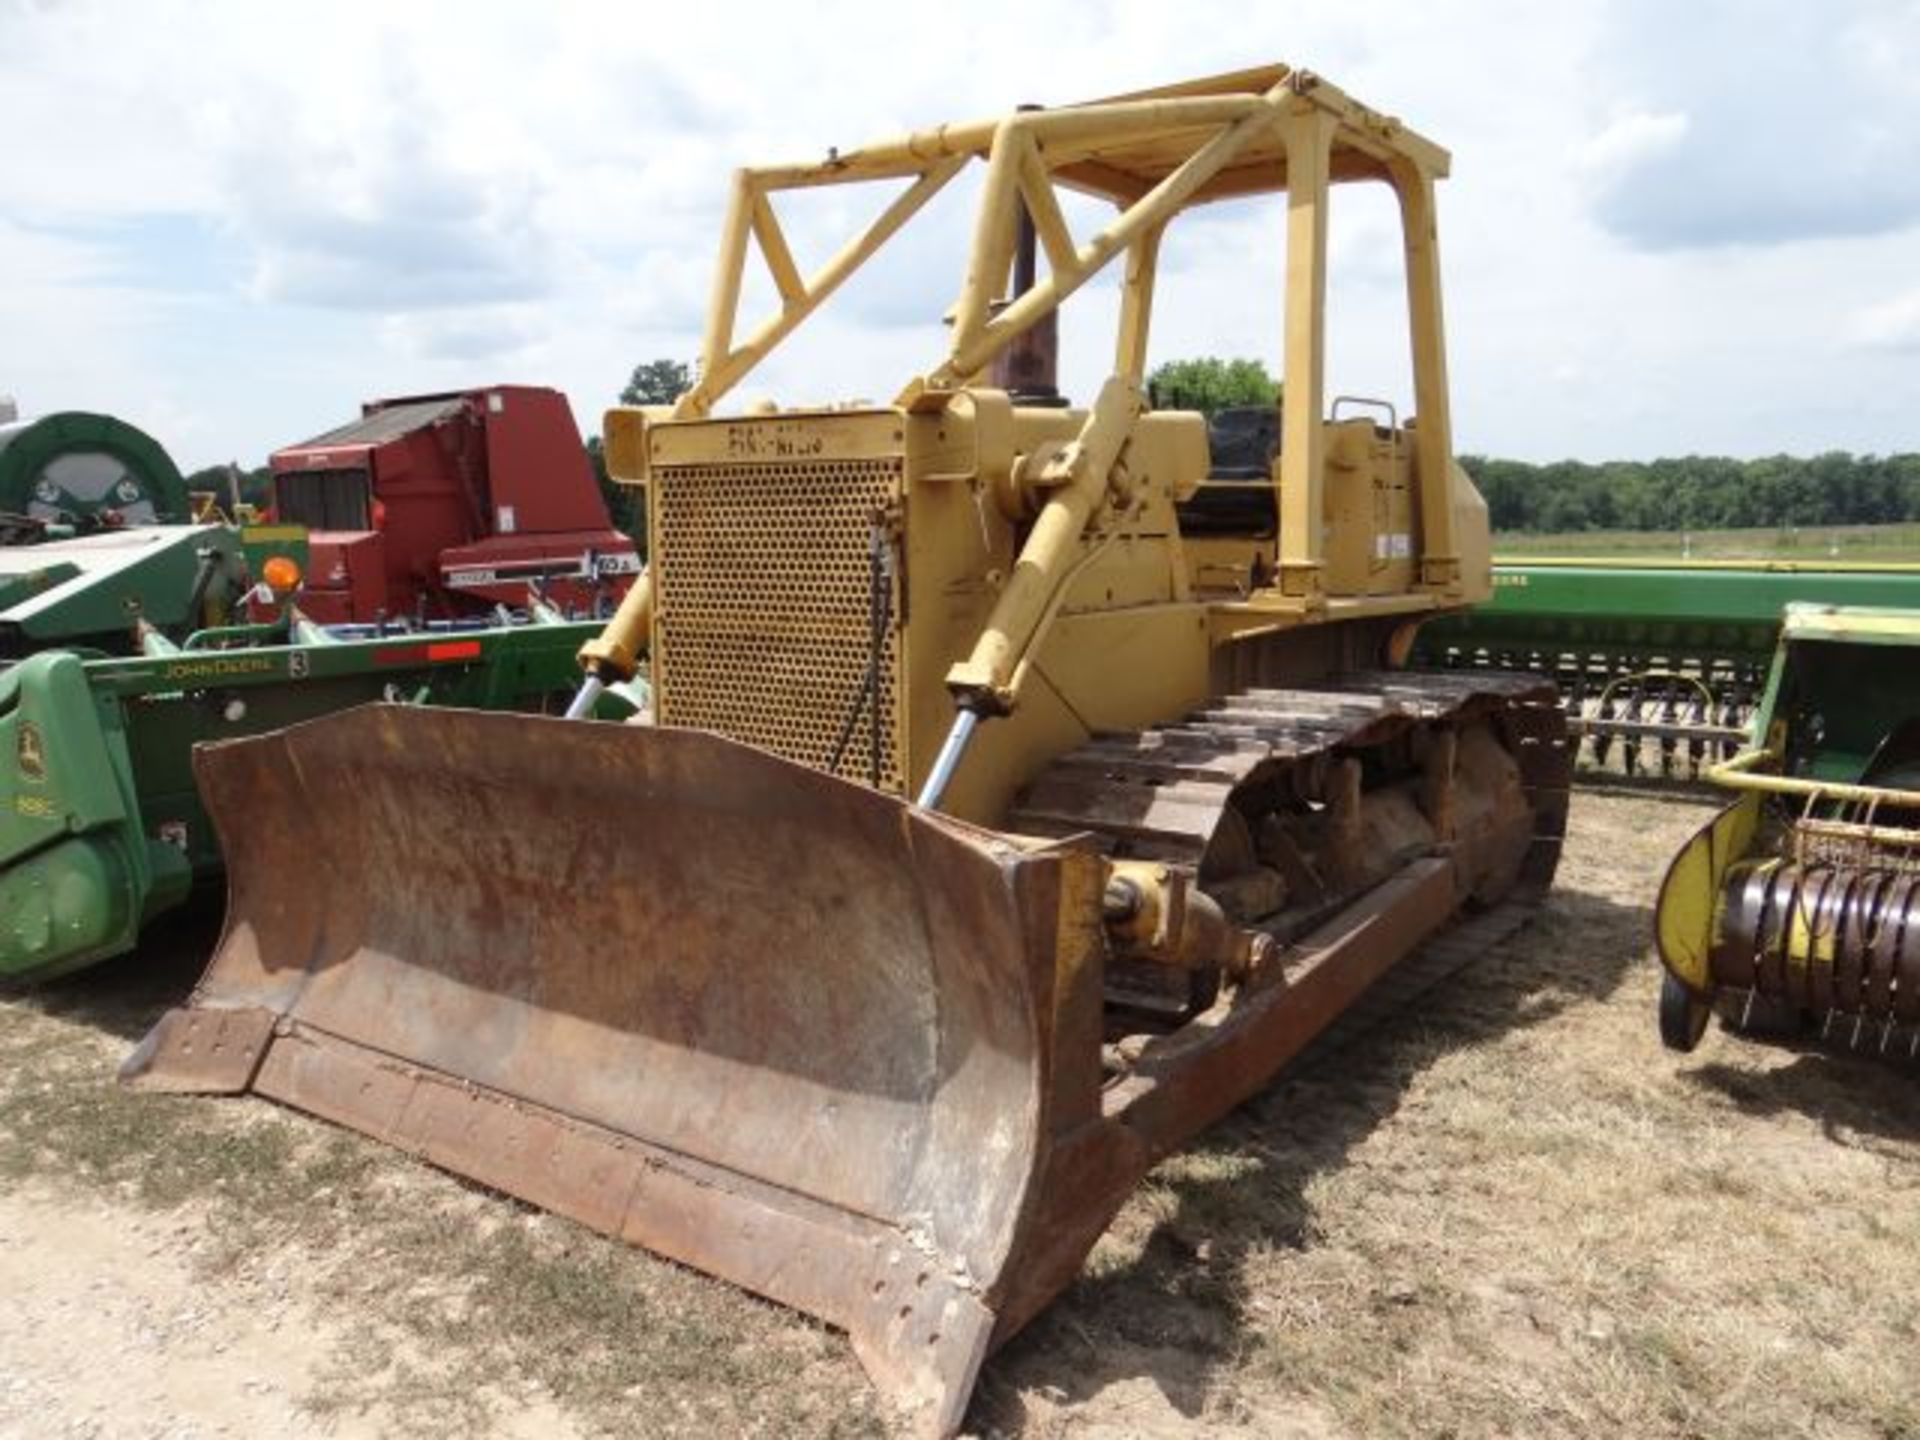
104, 592
1660, 664
101, 826
75, 473
1797, 908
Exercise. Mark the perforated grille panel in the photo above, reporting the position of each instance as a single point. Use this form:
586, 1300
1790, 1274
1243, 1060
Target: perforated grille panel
762, 584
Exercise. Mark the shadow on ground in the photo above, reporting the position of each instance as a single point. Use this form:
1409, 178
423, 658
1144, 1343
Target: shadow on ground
1175, 1314
1842, 1092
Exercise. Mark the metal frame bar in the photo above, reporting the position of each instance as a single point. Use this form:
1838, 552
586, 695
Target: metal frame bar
978, 336
1303, 446
1740, 773
1327, 137
1136, 306
750, 214
1433, 437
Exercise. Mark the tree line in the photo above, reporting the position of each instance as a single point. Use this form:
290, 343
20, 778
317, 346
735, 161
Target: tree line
1693, 492
255, 485
1698, 492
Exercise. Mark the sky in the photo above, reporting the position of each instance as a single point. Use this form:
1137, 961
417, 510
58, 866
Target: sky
1671, 228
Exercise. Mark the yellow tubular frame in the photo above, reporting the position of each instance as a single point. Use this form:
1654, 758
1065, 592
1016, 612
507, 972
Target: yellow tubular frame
1197, 133
1739, 773
1153, 156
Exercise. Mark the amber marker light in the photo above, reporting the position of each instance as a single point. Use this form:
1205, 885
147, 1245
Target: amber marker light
282, 575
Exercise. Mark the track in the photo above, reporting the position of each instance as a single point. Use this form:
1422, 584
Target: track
1192, 770
1247, 793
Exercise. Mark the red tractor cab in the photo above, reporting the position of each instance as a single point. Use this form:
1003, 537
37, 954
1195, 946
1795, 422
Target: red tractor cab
437, 506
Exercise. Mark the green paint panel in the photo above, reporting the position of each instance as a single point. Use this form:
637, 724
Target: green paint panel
76, 466
1838, 696
24, 584
1729, 612
66, 907
87, 592
101, 827
76, 875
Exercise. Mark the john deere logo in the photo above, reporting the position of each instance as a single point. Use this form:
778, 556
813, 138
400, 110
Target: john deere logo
32, 758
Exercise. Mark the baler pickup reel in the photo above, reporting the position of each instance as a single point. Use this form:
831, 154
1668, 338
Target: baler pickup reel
1797, 908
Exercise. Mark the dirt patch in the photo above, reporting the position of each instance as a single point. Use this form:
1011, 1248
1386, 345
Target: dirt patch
427, 1306
1507, 1211
112, 1328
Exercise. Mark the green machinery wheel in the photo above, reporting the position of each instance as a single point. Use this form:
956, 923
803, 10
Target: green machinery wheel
87, 472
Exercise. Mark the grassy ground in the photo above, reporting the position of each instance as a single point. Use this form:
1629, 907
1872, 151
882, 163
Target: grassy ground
1880, 543
1505, 1212
462, 1305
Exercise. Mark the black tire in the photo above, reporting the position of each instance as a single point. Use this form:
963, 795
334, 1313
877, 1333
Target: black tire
1683, 1015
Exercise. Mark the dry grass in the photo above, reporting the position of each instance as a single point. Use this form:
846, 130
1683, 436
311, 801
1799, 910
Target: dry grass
1505, 1213
463, 1303
1513, 1213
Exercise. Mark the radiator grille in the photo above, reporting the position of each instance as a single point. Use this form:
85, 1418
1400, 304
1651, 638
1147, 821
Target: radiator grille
324, 499
762, 581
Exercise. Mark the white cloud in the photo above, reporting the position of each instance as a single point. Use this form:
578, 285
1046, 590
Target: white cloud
1756, 122
502, 333
1890, 325
1632, 139
373, 199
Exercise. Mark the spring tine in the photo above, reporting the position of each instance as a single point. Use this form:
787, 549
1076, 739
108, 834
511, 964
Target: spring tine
1736, 950
1803, 919
1906, 977
1667, 714
1843, 893
1890, 940
1746, 1011
1863, 918
1785, 896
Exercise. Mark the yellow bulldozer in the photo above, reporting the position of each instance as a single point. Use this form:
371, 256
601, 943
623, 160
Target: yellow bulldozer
1027, 782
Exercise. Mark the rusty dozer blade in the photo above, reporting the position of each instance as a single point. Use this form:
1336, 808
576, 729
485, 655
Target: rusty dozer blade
760, 1020
793, 1032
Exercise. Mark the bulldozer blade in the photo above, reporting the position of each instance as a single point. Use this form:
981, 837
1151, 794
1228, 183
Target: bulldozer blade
832, 1047
765, 1022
